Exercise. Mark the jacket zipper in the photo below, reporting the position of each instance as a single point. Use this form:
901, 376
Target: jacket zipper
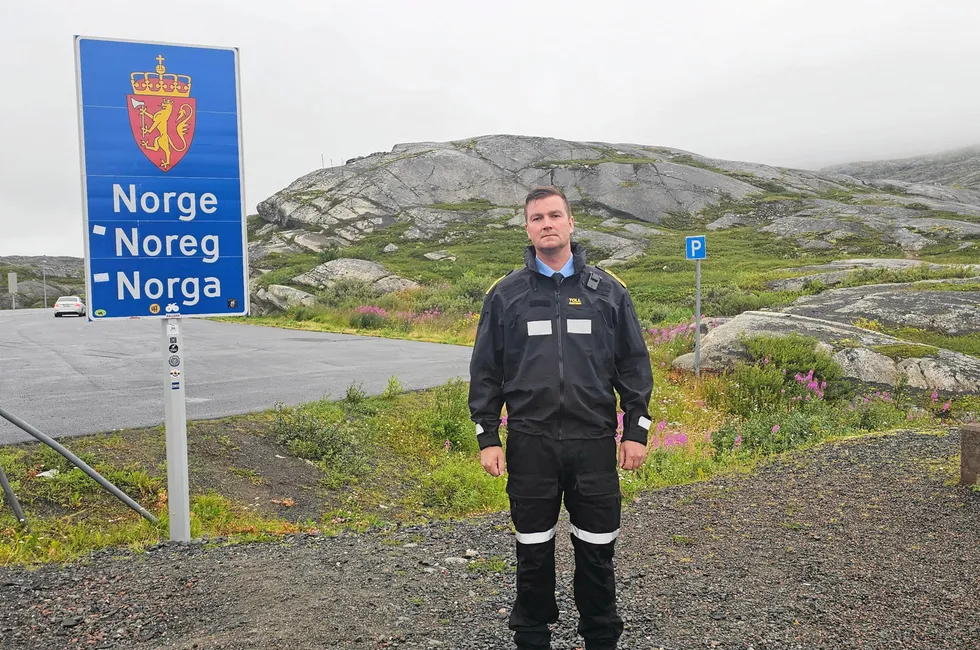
561, 361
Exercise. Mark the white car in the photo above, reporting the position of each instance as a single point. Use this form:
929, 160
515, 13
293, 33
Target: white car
69, 305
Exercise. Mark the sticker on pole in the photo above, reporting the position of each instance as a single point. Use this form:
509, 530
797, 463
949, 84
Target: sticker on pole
162, 179
695, 247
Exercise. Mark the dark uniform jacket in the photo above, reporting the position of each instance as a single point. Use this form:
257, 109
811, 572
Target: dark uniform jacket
553, 349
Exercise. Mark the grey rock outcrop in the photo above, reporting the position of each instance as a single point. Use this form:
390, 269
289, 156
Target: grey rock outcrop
852, 346
836, 272
960, 167
282, 297
482, 182
901, 305
371, 273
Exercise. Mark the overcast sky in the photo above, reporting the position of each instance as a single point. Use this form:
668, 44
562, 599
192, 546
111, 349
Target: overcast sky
783, 82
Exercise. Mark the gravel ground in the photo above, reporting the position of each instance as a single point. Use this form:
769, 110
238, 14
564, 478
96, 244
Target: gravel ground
859, 544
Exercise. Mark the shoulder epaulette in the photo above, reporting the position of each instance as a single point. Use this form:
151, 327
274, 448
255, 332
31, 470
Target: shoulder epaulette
490, 288
615, 277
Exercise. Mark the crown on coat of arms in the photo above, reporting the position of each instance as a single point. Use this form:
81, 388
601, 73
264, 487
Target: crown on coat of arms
161, 84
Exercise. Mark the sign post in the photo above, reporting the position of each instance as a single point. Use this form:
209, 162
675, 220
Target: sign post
12, 289
163, 200
697, 251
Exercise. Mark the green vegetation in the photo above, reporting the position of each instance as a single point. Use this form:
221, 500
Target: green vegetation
472, 204
964, 343
899, 351
412, 456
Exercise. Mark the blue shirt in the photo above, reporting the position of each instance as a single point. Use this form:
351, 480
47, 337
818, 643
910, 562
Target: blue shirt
547, 271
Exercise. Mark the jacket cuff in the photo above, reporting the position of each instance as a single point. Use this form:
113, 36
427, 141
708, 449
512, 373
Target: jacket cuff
638, 429
487, 437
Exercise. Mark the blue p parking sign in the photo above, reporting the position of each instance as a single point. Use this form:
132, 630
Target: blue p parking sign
696, 249
162, 180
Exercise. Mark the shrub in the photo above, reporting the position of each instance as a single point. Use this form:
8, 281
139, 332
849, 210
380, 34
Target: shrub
798, 355
347, 293
450, 416
322, 437
769, 433
755, 389
393, 389
328, 254
301, 313
369, 317
875, 412
733, 300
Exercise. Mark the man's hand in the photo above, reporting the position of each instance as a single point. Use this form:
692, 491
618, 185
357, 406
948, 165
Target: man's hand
492, 459
631, 454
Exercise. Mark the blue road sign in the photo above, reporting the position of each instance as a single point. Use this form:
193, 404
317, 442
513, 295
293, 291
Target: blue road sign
162, 179
695, 247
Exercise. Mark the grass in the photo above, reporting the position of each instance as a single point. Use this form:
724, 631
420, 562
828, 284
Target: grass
470, 205
899, 351
409, 457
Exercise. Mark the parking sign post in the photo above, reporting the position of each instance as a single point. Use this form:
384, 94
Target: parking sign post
163, 203
696, 250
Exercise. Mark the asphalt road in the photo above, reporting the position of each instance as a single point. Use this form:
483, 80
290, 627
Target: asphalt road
67, 376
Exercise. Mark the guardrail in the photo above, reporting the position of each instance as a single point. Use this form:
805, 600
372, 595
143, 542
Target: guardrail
74, 460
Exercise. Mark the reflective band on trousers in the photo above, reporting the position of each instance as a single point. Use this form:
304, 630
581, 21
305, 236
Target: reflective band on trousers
536, 538
594, 538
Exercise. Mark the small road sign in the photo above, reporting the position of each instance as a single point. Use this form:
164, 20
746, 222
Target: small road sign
695, 247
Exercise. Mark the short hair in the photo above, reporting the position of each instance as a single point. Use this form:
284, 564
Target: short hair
544, 192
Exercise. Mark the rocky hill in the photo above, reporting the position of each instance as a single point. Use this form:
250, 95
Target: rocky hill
57, 276
954, 169
424, 187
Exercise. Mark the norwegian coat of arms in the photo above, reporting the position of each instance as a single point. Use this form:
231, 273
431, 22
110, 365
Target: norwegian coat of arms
162, 115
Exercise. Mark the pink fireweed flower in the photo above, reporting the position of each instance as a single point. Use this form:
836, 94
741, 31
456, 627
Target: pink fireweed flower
775, 428
448, 445
738, 440
503, 421
935, 397
946, 407
371, 309
661, 425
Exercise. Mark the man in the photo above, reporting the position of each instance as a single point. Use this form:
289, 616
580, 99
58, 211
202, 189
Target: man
555, 339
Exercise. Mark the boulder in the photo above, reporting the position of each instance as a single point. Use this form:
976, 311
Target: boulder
276, 244
619, 248
440, 255
852, 346
329, 273
282, 297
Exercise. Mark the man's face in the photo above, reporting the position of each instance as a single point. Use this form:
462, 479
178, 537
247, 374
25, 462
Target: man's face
549, 226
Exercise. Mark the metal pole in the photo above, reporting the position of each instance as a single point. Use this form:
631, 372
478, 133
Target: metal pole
697, 319
12, 500
44, 283
75, 460
175, 409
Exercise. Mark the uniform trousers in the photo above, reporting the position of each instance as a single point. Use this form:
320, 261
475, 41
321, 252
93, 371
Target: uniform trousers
541, 471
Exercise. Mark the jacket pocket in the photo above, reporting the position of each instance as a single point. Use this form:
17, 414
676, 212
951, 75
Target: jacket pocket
597, 484
524, 486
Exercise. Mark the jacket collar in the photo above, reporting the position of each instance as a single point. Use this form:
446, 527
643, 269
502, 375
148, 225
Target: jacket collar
578, 258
